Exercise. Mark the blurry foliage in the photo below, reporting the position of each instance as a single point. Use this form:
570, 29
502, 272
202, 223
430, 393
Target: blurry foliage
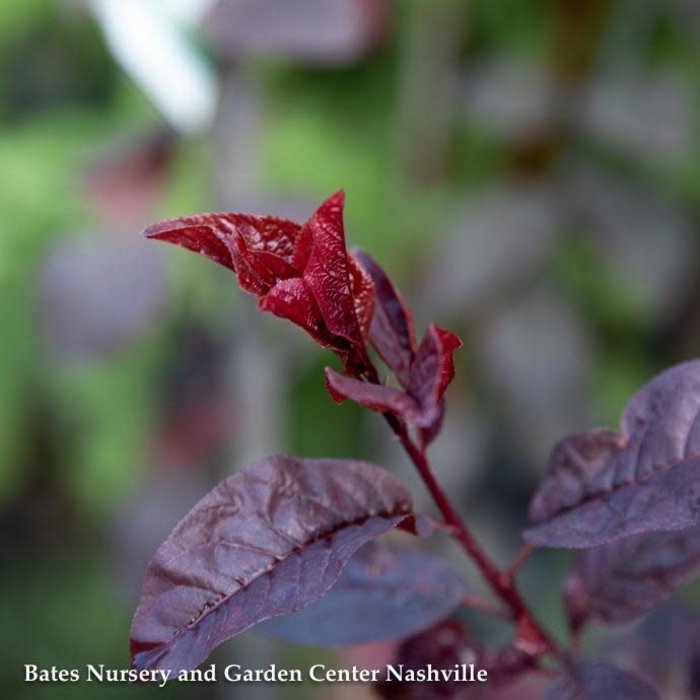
341, 121
516, 24
309, 433
72, 609
62, 99
53, 64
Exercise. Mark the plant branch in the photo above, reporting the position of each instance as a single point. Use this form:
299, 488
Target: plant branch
501, 583
520, 558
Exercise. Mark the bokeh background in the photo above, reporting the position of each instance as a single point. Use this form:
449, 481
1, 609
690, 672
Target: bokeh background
527, 170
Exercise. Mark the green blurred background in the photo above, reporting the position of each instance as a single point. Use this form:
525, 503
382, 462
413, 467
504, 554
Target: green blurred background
527, 170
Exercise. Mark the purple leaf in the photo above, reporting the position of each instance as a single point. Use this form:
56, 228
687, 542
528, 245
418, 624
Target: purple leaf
572, 463
433, 368
663, 644
665, 502
266, 541
391, 332
397, 592
624, 579
443, 646
596, 680
377, 397
422, 404
604, 486
432, 371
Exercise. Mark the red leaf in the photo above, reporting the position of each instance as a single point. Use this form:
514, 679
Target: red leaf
258, 249
335, 296
445, 650
422, 404
431, 372
291, 299
266, 541
433, 369
265, 234
430, 590
604, 486
596, 680
302, 248
392, 331
327, 271
449, 342
622, 580
383, 399
362, 290
444, 646
195, 233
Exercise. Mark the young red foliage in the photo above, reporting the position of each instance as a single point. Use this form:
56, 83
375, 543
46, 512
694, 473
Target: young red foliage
391, 331
422, 403
300, 272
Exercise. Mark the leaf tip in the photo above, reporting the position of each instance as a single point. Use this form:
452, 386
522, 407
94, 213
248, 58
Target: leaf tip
337, 199
161, 229
450, 341
331, 380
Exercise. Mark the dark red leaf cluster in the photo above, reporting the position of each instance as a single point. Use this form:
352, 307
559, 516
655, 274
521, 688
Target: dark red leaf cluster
301, 272
344, 301
423, 372
266, 541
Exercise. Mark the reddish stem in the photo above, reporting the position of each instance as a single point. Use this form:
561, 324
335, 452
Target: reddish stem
520, 558
531, 632
531, 636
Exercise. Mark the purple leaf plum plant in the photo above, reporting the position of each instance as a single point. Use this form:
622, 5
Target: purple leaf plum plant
291, 544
